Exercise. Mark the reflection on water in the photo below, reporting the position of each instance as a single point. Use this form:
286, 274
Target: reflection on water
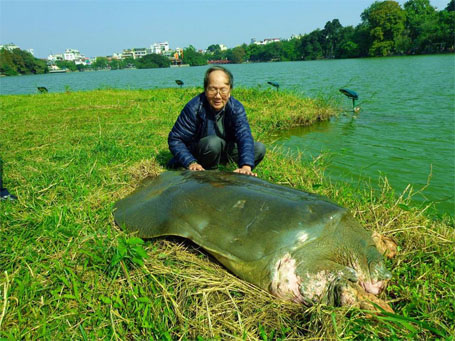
405, 130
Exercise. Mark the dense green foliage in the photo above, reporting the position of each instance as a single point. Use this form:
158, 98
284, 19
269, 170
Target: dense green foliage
193, 58
68, 272
102, 63
386, 29
20, 62
152, 61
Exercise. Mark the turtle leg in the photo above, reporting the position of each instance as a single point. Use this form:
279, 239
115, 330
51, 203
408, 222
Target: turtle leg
352, 294
385, 245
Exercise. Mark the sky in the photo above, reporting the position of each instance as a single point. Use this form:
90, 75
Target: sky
104, 27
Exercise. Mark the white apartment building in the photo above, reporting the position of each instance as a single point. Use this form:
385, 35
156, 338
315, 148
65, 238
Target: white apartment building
55, 57
72, 55
160, 48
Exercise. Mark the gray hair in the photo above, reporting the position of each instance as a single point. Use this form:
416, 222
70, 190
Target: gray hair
218, 68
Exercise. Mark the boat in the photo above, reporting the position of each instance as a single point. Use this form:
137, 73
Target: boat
56, 69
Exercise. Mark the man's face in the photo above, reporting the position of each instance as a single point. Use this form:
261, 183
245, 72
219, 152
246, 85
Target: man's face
218, 90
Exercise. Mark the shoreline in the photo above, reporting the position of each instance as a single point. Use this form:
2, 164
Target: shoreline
246, 62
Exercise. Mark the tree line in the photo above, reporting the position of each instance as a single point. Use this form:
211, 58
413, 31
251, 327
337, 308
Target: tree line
385, 29
20, 62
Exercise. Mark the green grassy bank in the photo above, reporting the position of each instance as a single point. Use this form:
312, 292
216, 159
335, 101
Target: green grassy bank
67, 271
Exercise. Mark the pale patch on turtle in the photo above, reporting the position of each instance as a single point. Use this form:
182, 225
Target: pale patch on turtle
315, 285
285, 282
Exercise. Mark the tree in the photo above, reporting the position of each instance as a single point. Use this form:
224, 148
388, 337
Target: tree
310, 45
66, 64
153, 60
194, 58
214, 48
386, 23
332, 34
20, 62
421, 23
100, 63
289, 50
215, 51
446, 28
237, 55
349, 45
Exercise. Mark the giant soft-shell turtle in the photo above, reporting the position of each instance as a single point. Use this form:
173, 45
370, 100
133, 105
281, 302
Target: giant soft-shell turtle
297, 245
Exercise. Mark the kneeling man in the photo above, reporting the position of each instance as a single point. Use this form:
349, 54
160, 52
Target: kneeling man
213, 128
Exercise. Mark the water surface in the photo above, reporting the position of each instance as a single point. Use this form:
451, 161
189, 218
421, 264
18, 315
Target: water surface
405, 130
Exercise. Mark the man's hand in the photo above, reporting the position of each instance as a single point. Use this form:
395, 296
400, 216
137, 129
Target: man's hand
195, 167
245, 170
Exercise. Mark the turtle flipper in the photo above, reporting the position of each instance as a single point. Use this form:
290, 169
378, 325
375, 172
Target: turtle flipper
352, 294
385, 245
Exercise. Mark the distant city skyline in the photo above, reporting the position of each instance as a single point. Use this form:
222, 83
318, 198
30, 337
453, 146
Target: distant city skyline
101, 28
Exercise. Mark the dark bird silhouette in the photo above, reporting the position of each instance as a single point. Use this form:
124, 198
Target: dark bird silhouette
274, 84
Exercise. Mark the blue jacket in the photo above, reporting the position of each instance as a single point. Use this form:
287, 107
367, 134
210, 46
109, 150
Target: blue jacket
191, 125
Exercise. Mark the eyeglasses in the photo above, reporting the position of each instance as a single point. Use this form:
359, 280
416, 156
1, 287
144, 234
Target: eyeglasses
214, 91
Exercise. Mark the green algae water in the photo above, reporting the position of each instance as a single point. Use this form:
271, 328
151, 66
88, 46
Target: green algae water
405, 130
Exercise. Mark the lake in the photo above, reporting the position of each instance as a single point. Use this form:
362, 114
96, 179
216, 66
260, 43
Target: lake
405, 130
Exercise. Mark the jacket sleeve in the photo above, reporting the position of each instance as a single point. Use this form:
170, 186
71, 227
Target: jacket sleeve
243, 136
182, 134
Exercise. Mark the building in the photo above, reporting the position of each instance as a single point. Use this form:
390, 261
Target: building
55, 57
160, 48
116, 56
135, 53
72, 55
265, 41
9, 47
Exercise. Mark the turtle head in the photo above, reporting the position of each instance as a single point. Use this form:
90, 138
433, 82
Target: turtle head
342, 261
357, 251
347, 258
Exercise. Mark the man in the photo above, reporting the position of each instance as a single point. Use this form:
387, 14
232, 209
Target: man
212, 129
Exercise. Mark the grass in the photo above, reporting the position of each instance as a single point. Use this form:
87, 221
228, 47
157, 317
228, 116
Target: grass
67, 271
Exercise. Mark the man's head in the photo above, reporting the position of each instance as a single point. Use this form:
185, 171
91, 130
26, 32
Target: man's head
218, 83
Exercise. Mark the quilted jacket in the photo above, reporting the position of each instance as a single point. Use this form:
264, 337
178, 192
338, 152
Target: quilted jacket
191, 126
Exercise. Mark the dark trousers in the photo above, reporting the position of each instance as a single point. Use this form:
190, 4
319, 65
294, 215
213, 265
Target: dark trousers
212, 150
